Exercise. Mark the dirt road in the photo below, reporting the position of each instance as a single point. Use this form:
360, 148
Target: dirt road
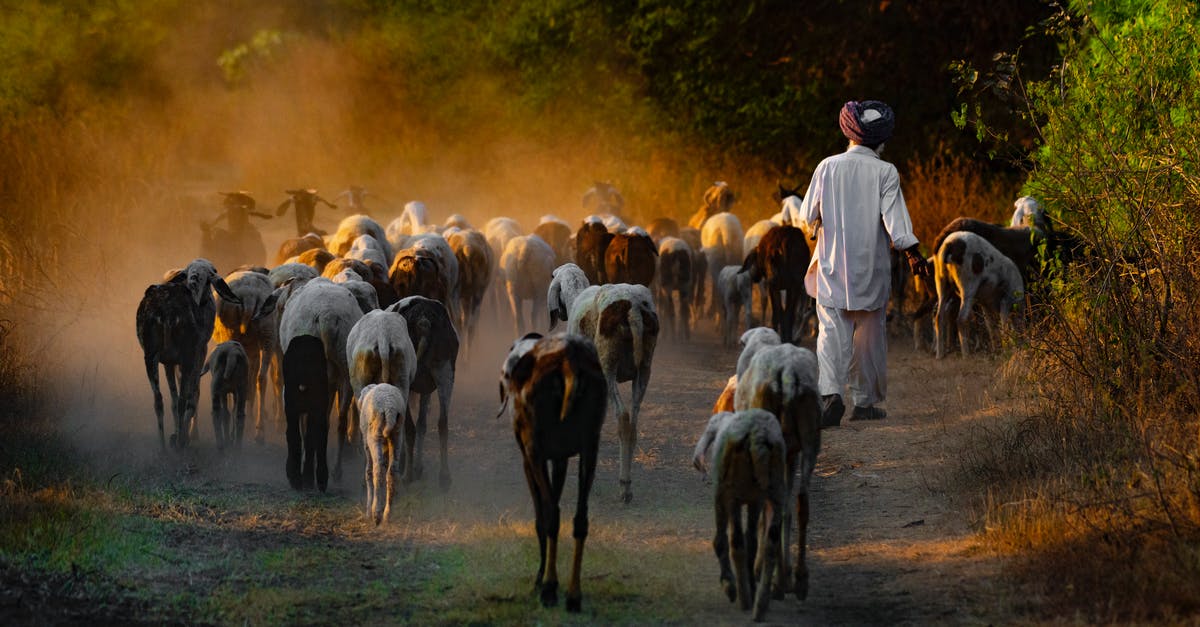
222, 538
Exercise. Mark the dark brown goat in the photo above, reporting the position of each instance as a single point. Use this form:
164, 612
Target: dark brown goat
558, 391
591, 243
306, 401
415, 272
436, 343
781, 258
174, 323
631, 258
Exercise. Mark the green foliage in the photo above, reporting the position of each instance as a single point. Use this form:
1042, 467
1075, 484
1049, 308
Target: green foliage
1112, 358
56, 55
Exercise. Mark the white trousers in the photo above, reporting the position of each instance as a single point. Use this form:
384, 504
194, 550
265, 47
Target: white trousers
852, 348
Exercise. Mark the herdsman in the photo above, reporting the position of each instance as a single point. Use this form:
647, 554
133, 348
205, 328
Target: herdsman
855, 207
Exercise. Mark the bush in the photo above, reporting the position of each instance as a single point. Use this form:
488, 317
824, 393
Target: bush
1103, 483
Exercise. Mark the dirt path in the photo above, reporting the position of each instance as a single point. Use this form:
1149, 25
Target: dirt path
887, 545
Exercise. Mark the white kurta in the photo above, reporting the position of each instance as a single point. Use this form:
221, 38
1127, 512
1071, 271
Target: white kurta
855, 199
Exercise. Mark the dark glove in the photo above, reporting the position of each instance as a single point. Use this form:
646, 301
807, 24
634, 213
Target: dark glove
917, 263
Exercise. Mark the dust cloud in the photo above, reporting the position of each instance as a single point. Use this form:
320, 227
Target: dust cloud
310, 114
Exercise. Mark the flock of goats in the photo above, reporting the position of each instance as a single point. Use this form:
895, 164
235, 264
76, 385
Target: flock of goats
370, 317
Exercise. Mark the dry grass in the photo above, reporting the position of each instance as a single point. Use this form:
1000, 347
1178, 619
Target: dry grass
944, 187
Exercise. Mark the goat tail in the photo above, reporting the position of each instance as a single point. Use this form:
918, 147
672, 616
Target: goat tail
761, 459
385, 362
568, 402
642, 321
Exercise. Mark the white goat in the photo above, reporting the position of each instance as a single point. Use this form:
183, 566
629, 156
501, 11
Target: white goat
721, 240
783, 380
752, 341
367, 248
527, 265
328, 311
748, 460
380, 407
364, 293
622, 322
733, 290
566, 283
968, 269
351, 227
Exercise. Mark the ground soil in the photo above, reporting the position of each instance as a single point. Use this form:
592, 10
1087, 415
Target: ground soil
891, 541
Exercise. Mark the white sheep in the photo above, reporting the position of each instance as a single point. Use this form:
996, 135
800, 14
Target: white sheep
566, 283
456, 221
621, 321
783, 380
498, 232
367, 248
381, 408
364, 293
230, 371
527, 265
379, 350
414, 218
967, 269
733, 290
747, 454
351, 227
328, 311
721, 240
752, 341
291, 271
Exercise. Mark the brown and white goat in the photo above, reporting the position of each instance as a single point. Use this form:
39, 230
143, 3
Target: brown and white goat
621, 321
968, 269
557, 387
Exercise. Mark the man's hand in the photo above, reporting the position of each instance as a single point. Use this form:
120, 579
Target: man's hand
917, 263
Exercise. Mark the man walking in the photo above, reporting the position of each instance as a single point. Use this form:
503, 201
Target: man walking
854, 205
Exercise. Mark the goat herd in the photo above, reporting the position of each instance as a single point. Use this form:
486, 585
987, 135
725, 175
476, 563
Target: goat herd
371, 318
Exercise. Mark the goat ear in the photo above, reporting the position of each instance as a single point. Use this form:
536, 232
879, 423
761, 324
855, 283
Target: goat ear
226, 294
283, 207
523, 369
267, 307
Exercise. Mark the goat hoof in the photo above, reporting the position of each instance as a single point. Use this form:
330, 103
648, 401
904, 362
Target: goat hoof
550, 594
802, 588
574, 605
730, 589
626, 492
